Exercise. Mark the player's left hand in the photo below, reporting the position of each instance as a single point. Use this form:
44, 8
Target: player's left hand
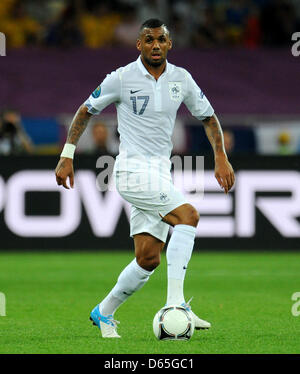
224, 174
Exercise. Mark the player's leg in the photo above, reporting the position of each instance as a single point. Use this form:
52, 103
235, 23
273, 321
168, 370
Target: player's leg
185, 214
180, 247
136, 273
147, 250
184, 219
131, 279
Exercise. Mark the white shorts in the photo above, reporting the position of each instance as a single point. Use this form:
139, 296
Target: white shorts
152, 196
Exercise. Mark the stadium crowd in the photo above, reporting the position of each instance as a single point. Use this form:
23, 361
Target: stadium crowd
106, 23
196, 24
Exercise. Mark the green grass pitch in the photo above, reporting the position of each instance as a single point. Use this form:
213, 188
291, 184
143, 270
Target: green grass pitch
245, 296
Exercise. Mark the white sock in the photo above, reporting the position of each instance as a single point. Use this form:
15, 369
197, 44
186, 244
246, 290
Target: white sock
179, 252
131, 279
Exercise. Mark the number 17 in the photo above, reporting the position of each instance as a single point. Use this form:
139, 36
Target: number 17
146, 100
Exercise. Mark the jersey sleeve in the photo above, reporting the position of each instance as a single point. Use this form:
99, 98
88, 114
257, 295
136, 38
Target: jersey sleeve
108, 92
195, 100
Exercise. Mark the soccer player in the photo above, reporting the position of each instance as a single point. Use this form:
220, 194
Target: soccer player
147, 94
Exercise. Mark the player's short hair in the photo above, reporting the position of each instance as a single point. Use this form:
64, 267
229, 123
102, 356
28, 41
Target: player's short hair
153, 23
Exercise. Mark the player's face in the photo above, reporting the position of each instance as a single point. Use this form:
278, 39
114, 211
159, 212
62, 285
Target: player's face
154, 45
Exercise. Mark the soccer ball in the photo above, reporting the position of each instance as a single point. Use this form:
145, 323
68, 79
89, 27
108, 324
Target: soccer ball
173, 322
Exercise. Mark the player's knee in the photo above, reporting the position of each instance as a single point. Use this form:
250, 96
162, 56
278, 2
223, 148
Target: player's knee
191, 217
195, 217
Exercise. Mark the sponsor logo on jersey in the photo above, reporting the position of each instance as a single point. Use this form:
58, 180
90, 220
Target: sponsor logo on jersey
133, 92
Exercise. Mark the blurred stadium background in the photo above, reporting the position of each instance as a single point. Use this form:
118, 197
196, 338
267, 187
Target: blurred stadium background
238, 51
240, 54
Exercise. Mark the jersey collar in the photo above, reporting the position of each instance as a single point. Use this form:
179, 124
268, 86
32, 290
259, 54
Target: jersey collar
145, 71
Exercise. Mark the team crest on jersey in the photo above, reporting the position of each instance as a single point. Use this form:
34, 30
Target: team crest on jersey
164, 197
97, 92
175, 90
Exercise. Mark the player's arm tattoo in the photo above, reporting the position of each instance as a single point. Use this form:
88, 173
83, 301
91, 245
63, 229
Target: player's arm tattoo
78, 125
214, 134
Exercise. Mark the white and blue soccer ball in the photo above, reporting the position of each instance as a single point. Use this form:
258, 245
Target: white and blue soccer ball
173, 322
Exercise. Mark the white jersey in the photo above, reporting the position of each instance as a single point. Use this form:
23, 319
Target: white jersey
146, 108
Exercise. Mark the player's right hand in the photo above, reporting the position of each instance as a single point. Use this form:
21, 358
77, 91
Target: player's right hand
64, 169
